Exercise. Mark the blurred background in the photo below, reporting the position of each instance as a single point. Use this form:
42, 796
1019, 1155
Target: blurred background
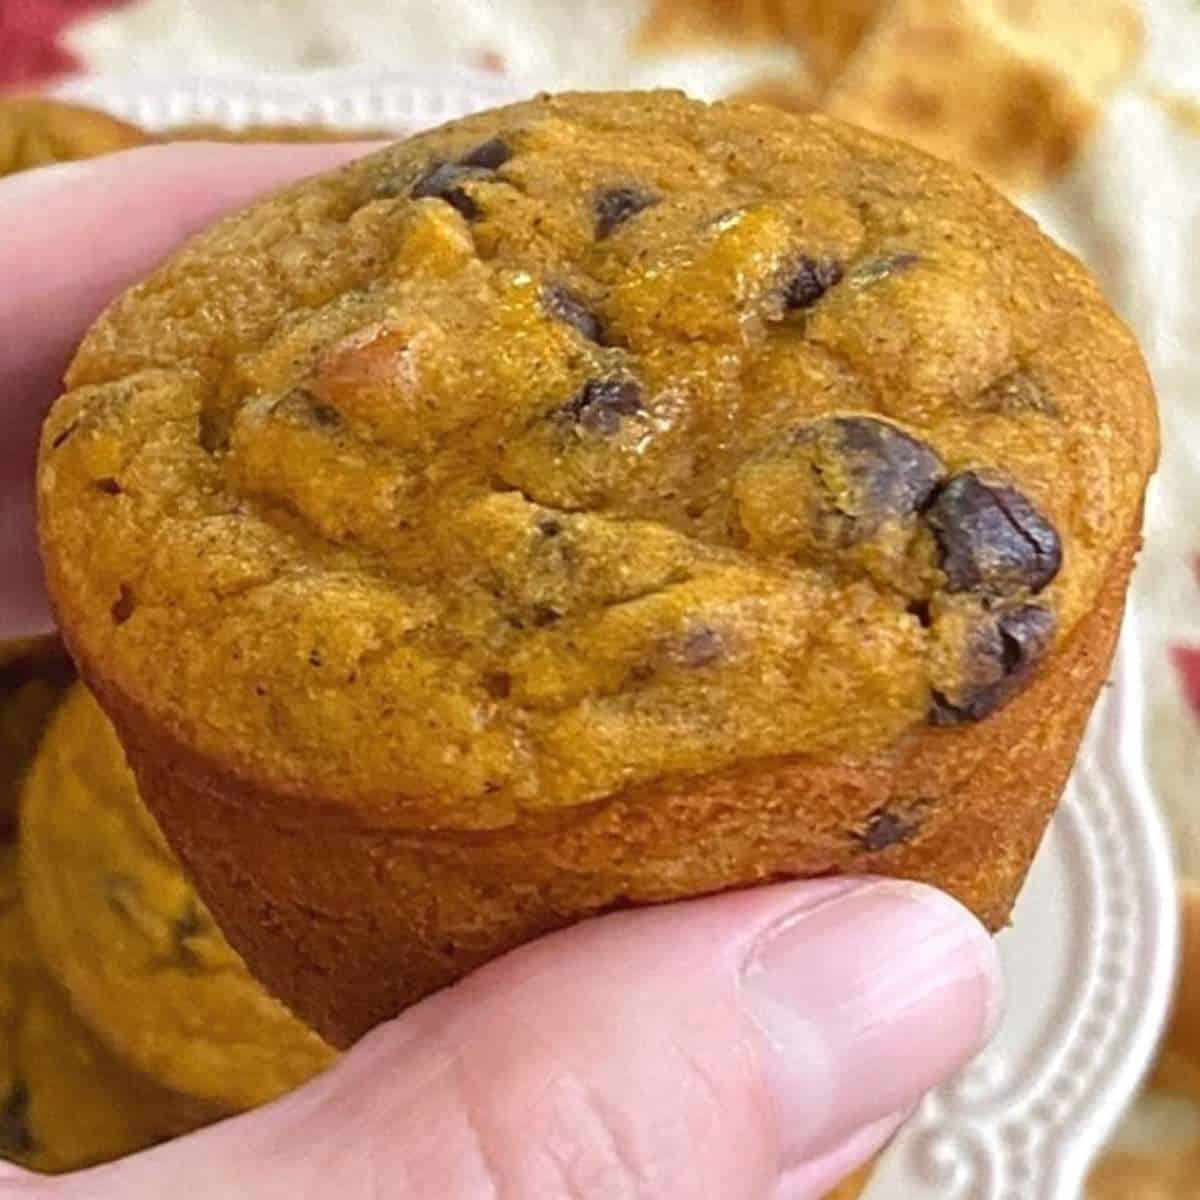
1085, 111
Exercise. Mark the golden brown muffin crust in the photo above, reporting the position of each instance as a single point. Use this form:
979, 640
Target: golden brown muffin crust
66, 1102
128, 937
602, 500
528, 493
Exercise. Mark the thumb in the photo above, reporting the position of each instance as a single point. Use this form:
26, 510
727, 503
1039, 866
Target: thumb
753, 1046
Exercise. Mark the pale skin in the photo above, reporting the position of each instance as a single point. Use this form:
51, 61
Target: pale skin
755, 1046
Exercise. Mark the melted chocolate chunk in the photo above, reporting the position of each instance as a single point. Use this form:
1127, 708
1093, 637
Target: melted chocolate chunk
810, 280
603, 403
870, 472
1003, 651
497, 684
326, 416
489, 155
699, 647
887, 828
569, 308
991, 538
544, 614
213, 431
107, 485
444, 182
616, 205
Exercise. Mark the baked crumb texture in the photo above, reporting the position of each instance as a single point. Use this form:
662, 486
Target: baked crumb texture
597, 444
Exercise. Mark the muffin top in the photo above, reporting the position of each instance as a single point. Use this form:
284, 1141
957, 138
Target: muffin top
585, 442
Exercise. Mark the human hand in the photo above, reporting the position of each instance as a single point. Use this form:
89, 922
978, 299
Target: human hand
753, 1046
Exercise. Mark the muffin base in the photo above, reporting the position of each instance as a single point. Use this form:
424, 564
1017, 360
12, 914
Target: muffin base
350, 923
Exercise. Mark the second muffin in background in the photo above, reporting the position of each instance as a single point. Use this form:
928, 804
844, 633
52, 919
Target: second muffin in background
127, 936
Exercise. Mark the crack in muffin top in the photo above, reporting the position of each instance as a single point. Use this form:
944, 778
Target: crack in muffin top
589, 441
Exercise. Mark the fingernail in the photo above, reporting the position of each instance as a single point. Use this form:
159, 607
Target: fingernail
864, 1003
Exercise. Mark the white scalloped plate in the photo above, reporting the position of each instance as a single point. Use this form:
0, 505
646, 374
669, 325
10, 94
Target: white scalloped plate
1091, 954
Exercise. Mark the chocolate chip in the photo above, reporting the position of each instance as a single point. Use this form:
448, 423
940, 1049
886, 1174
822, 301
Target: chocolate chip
213, 431
497, 684
549, 528
602, 403
869, 472
544, 615
810, 279
326, 416
107, 485
874, 270
567, 307
444, 182
991, 538
699, 647
920, 610
1001, 654
897, 471
16, 1138
886, 828
124, 605
489, 155
616, 205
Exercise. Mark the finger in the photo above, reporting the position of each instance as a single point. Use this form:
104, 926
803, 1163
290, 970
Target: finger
73, 237
745, 1047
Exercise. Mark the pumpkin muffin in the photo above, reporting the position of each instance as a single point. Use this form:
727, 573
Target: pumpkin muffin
126, 935
35, 132
65, 1101
598, 501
